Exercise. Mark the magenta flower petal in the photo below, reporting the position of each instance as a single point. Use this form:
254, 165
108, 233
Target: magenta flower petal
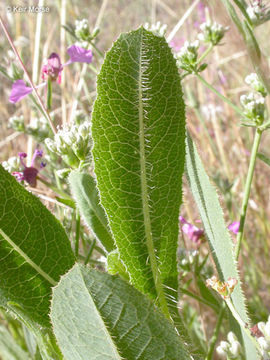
182, 219
193, 233
234, 227
52, 69
19, 91
78, 54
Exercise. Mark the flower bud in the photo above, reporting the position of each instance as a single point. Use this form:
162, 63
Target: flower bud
157, 29
17, 123
264, 344
254, 82
235, 349
51, 145
221, 352
258, 12
12, 164
212, 32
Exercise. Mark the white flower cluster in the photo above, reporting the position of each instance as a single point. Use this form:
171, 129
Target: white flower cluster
212, 32
81, 25
258, 12
83, 34
254, 106
230, 349
72, 143
254, 82
264, 340
12, 164
157, 29
16, 123
187, 57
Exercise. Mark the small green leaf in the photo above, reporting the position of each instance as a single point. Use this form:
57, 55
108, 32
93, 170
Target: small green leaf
264, 158
217, 233
115, 265
138, 130
97, 316
84, 191
34, 248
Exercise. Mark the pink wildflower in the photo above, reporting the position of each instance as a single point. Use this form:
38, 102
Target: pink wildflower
19, 91
29, 174
234, 227
52, 70
193, 233
78, 54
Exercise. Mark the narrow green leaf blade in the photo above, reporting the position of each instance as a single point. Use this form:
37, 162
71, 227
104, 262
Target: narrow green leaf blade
34, 251
264, 158
97, 316
138, 129
217, 234
84, 191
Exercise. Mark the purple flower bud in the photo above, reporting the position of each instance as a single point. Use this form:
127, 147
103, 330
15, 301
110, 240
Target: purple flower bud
30, 176
29, 173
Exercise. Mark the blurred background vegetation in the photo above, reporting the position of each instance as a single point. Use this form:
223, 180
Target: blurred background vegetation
223, 144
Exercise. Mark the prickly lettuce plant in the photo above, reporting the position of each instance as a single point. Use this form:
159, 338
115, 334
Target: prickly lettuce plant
105, 281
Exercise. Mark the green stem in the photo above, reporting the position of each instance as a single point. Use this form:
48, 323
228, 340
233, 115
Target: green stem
254, 152
49, 94
97, 50
195, 106
92, 246
214, 338
223, 98
198, 298
205, 53
77, 234
243, 325
54, 188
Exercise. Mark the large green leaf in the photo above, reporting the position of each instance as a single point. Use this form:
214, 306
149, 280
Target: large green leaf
97, 316
9, 349
34, 251
217, 233
138, 129
84, 191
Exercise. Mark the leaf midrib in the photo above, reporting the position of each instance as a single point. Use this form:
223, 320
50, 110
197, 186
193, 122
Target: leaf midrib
27, 259
145, 203
105, 329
